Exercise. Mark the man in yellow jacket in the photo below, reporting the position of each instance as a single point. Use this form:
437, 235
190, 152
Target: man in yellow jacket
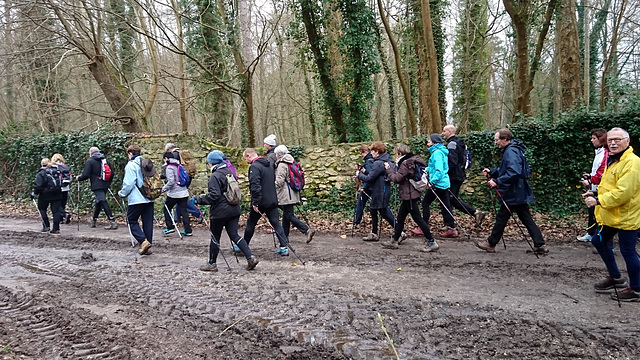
617, 211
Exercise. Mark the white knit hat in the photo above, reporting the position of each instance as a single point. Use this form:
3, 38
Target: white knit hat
270, 140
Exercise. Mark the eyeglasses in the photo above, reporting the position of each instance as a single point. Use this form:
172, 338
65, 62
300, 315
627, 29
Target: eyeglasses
616, 140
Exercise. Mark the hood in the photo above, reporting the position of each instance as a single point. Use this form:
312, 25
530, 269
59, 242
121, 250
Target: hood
368, 156
518, 145
173, 161
262, 161
148, 169
97, 155
287, 158
438, 147
384, 157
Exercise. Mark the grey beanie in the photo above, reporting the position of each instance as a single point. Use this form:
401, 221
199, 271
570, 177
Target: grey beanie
436, 139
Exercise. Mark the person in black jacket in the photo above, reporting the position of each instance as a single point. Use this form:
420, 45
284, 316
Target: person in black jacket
364, 189
48, 197
457, 174
222, 214
92, 170
65, 173
270, 145
264, 199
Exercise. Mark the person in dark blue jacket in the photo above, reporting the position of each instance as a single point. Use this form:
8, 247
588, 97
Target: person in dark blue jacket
364, 189
510, 179
380, 188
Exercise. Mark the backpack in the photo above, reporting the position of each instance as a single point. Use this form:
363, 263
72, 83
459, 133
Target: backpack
468, 159
105, 171
296, 176
65, 174
54, 181
420, 179
151, 182
233, 194
526, 170
187, 161
183, 177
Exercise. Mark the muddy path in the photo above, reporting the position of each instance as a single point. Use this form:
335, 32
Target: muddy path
82, 295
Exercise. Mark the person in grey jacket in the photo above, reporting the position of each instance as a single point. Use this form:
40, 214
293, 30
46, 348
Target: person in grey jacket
138, 206
288, 197
176, 194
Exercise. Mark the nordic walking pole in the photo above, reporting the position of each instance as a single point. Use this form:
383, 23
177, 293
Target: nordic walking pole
448, 211
517, 224
355, 208
206, 223
217, 243
78, 205
39, 214
283, 240
493, 201
133, 240
172, 219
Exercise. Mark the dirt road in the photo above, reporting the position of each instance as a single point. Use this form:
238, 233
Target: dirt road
82, 295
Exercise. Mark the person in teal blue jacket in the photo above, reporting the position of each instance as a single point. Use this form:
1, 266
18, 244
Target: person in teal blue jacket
438, 170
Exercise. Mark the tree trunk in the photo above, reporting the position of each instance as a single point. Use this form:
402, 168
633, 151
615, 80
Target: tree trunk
604, 86
434, 105
568, 55
180, 72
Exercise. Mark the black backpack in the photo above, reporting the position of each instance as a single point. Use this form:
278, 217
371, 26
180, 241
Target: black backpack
53, 182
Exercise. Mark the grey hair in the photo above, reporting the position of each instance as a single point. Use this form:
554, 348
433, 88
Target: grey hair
93, 149
402, 149
626, 134
281, 150
169, 146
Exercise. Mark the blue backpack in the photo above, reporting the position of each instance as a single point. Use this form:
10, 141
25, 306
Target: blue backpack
183, 177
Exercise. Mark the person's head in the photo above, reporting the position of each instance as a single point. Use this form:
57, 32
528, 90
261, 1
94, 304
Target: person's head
599, 137
448, 131
378, 148
364, 150
45, 162
281, 151
502, 138
133, 150
215, 157
270, 142
249, 154
168, 155
402, 149
93, 150
618, 140
434, 139
169, 147
57, 158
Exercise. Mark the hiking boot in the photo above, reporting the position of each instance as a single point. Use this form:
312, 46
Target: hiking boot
539, 250
209, 267
450, 233
627, 294
431, 246
403, 237
184, 233
54, 232
584, 238
606, 286
283, 251
484, 245
310, 233
479, 216
68, 219
45, 229
391, 244
92, 223
370, 237
417, 231
112, 225
168, 231
252, 262
144, 248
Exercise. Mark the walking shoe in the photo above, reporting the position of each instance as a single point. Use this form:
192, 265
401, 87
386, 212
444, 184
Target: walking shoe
112, 225
54, 232
484, 245
450, 233
371, 237
45, 229
432, 246
235, 249
283, 251
627, 294
585, 238
606, 286
391, 244
403, 237
168, 231
184, 233
417, 231
539, 250
68, 219
310, 234
209, 267
92, 223
479, 216
144, 248
252, 262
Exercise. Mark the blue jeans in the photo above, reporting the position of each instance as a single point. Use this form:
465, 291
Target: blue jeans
603, 242
360, 204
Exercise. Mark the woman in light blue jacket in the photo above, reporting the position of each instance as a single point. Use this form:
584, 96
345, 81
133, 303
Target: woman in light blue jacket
438, 169
138, 206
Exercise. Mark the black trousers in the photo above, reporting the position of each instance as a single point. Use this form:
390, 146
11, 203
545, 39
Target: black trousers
231, 225
101, 203
182, 208
289, 217
455, 199
433, 194
56, 211
274, 219
142, 211
502, 217
411, 207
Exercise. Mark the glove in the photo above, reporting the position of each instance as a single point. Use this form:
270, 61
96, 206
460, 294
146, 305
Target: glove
193, 200
32, 195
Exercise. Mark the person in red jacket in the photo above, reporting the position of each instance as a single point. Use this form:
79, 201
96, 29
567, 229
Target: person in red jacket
591, 180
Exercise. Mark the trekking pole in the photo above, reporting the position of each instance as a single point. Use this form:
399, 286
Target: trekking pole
493, 201
78, 205
448, 211
465, 209
284, 240
175, 226
39, 214
517, 224
216, 243
355, 208
133, 240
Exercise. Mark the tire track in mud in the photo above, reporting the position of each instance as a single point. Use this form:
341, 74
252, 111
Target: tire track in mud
336, 318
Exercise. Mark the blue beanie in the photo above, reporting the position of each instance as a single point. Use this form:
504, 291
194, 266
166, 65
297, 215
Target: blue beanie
215, 157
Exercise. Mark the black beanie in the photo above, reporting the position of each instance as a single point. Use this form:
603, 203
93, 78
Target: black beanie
436, 139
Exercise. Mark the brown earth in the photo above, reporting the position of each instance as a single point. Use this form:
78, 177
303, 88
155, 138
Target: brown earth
82, 295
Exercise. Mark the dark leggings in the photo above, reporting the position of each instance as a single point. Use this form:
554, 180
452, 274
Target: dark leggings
385, 213
433, 194
411, 207
101, 203
231, 225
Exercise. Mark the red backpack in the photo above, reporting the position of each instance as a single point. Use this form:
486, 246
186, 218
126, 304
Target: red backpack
296, 176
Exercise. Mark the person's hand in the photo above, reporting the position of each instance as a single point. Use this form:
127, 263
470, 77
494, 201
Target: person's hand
32, 195
486, 171
590, 201
78, 178
357, 172
586, 176
492, 183
255, 208
585, 182
361, 190
193, 200
386, 165
587, 194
